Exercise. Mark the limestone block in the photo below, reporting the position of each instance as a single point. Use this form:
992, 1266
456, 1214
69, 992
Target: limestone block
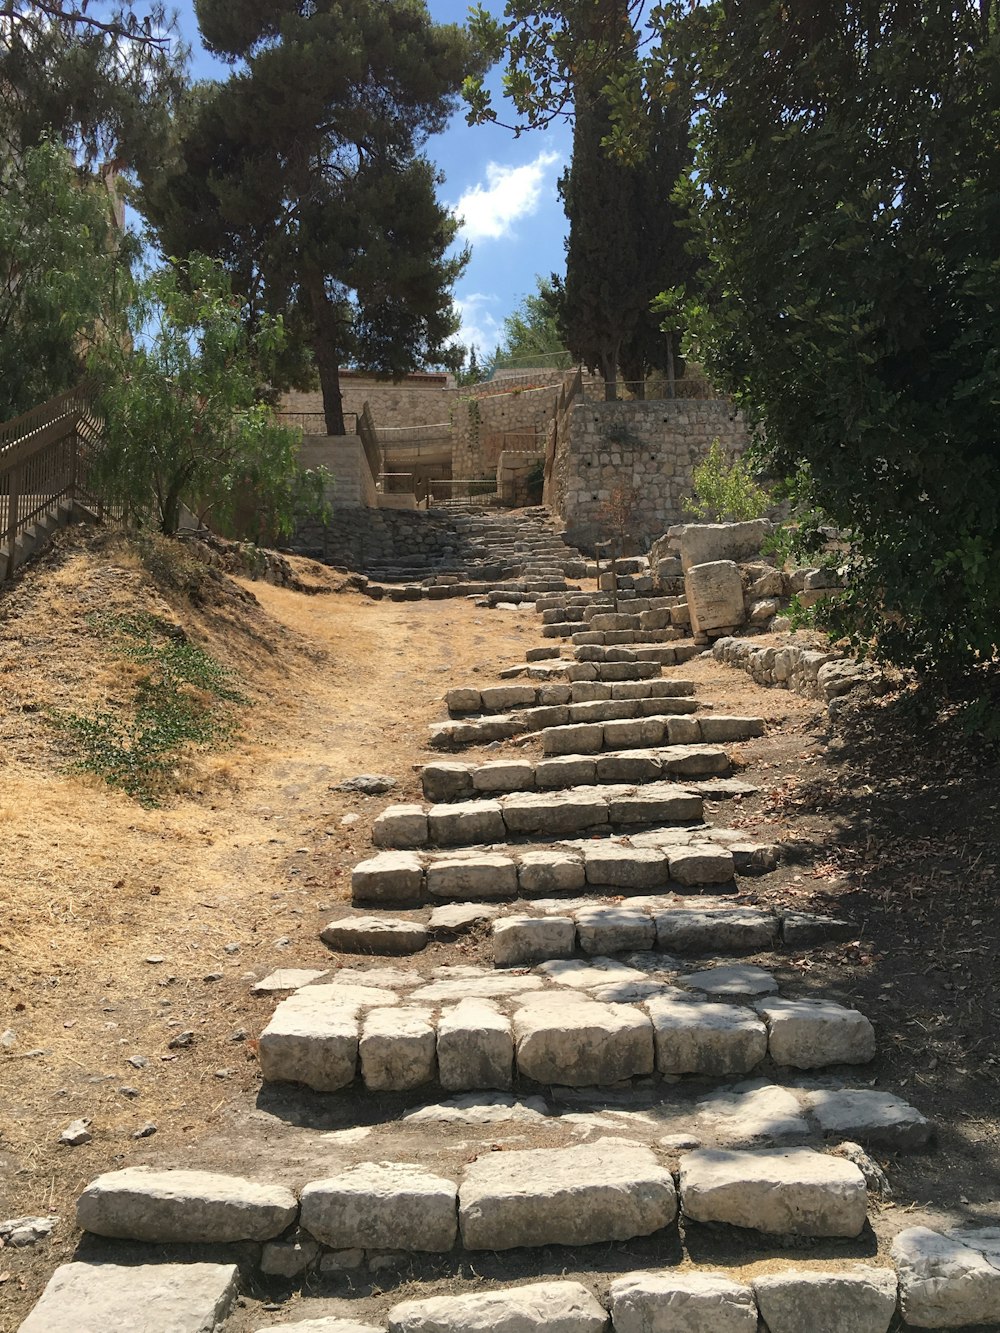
684, 760
607, 930
504, 775
552, 695
167, 1207
716, 730
519, 940
397, 1049
868, 1115
702, 863
499, 698
555, 813
715, 930
605, 1191
682, 730
555, 871
671, 1302
655, 803
731, 981
457, 918
100, 1297
860, 1299
447, 782
572, 771
382, 1206
631, 766
465, 823
603, 710
472, 875
781, 1191
763, 610
714, 596
703, 1037
540, 1307
635, 732
312, 1038
288, 1258
752, 1114
390, 877
374, 934
577, 1042
944, 1283
580, 738
475, 1047
488, 986
463, 701
617, 866
702, 542
400, 826
808, 1034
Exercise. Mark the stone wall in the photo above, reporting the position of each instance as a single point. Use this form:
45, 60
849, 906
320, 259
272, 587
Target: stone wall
636, 457
343, 456
417, 400
364, 539
485, 425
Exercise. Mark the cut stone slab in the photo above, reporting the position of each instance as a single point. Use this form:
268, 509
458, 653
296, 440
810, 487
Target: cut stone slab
465, 822
670, 1302
312, 1038
520, 940
481, 1109
714, 593
286, 978
605, 1191
140, 1203
577, 738
102, 1297
869, 1116
701, 1037
605, 930
808, 1034
861, 1299
390, 877
329, 1325
572, 771
781, 1191
463, 701
731, 979
555, 813
541, 1307
611, 864
381, 1206
400, 826
475, 1047
493, 986
458, 918
751, 1115
715, 930
702, 864
658, 801
716, 729
374, 934
944, 1283
595, 971
397, 1049
555, 871
481, 875
579, 1042
446, 781
504, 775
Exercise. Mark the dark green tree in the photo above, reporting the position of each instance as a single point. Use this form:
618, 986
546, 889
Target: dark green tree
101, 77
531, 334
849, 193
302, 172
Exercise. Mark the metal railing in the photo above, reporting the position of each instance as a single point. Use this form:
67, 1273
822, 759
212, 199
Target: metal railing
46, 458
314, 423
462, 490
370, 442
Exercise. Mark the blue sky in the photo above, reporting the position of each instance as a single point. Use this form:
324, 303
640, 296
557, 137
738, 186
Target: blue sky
504, 188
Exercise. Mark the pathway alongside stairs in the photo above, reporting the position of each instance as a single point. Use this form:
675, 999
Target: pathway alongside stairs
600, 1119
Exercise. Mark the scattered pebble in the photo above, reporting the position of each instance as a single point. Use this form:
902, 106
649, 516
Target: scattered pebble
181, 1041
350, 819
138, 1061
148, 1129
240, 1034
156, 958
8, 1039
21, 1231
223, 1073
212, 976
76, 1134
369, 784
231, 948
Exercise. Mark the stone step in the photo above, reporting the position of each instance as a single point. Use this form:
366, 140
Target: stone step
571, 1023
686, 857
562, 668
100, 1297
456, 781
505, 698
644, 732
524, 813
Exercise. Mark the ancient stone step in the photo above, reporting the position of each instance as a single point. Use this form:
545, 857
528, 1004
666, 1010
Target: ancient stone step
541, 1307
685, 857
165, 1207
482, 730
123, 1298
948, 1280
455, 781
504, 698
696, 1302
590, 737
524, 813
780, 1191
374, 935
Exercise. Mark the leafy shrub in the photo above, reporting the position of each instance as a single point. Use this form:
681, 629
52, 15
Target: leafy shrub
724, 490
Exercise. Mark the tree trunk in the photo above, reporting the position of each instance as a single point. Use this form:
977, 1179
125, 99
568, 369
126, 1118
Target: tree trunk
333, 399
671, 379
326, 349
609, 369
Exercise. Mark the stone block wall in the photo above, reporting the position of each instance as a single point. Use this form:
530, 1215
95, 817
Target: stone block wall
343, 456
366, 539
417, 400
636, 457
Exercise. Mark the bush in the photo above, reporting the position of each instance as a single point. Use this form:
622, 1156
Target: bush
725, 491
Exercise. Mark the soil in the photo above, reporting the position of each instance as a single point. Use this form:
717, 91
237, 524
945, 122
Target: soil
122, 927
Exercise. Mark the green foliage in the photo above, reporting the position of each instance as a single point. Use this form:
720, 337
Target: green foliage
183, 699
725, 490
302, 173
531, 335
183, 420
848, 195
61, 264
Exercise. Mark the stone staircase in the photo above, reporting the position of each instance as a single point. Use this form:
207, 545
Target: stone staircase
558, 1132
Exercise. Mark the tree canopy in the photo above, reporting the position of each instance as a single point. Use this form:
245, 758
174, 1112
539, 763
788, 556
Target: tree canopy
302, 173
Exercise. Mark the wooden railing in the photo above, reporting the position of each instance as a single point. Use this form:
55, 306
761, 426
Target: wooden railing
46, 457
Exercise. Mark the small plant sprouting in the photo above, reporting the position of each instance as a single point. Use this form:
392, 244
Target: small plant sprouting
724, 490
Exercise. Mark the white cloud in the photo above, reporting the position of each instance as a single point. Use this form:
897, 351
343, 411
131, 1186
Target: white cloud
489, 211
480, 327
